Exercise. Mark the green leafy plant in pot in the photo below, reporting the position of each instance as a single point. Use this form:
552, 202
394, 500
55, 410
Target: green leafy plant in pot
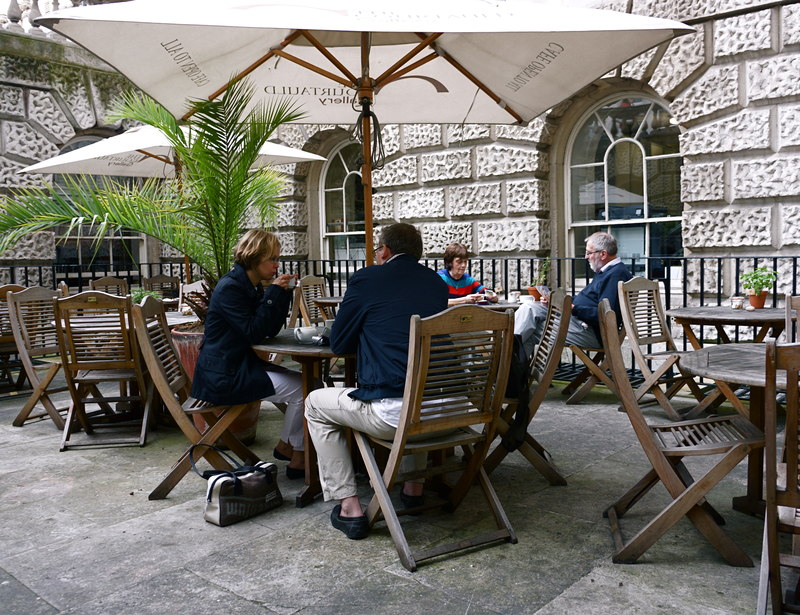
757, 284
540, 279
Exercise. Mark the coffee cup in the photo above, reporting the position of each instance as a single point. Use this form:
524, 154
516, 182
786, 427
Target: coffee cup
304, 335
513, 296
328, 327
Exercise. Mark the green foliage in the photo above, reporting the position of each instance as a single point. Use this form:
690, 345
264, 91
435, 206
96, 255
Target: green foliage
202, 213
540, 279
759, 279
138, 294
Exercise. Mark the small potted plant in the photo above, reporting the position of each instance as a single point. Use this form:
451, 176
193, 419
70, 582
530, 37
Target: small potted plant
757, 284
138, 294
540, 279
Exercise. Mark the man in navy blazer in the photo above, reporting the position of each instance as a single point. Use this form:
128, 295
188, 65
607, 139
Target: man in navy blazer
584, 325
373, 321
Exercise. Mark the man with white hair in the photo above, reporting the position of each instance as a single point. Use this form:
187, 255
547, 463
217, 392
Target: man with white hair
584, 326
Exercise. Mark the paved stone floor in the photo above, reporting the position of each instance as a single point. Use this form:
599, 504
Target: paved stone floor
78, 535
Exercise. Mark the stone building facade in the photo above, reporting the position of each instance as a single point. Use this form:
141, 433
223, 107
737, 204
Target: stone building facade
732, 89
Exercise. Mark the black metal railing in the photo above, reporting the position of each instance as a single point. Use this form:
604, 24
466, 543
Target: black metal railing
691, 280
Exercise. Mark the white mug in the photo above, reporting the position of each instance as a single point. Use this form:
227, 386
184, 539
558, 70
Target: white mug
304, 334
513, 296
328, 327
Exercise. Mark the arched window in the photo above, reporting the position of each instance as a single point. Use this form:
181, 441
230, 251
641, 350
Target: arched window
343, 205
624, 178
120, 252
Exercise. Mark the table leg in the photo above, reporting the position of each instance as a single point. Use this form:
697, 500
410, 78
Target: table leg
311, 368
753, 502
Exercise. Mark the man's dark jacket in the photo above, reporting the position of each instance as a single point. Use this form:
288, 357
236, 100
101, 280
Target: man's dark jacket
240, 315
374, 319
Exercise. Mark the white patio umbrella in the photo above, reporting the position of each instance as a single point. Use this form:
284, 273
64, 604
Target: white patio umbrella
145, 151
419, 61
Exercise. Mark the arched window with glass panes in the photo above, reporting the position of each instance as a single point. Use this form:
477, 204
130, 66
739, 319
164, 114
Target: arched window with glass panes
624, 168
343, 205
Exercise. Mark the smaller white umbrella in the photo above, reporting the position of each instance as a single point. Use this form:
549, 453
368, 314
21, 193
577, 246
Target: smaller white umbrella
145, 151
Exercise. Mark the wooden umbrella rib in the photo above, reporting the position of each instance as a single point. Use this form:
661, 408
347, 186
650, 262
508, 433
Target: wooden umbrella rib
163, 159
455, 64
246, 71
384, 80
327, 53
313, 68
388, 73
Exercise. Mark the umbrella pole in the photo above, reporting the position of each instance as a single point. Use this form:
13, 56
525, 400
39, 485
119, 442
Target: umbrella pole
366, 176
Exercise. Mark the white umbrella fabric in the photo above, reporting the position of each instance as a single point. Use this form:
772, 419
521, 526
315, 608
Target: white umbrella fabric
419, 61
145, 151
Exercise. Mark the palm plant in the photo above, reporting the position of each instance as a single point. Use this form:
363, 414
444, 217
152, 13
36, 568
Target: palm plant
202, 213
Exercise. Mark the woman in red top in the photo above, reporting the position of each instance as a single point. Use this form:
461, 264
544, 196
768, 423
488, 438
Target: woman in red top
461, 286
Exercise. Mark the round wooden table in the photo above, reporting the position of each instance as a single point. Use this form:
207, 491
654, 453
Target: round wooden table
740, 364
310, 358
718, 316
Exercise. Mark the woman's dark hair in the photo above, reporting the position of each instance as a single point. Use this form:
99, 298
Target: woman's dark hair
402, 238
452, 252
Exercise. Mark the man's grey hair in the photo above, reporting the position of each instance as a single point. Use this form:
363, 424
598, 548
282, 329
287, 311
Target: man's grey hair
602, 241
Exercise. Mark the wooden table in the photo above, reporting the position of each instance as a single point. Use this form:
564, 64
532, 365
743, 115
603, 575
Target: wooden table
330, 303
719, 316
310, 358
741, 364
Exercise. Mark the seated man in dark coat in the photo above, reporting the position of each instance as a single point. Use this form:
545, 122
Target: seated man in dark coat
584, 325
373, 321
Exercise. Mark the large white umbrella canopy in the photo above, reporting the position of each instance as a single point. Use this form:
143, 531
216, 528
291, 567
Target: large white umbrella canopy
145, 151
418, 61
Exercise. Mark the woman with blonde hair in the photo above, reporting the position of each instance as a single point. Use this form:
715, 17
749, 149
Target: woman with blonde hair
243, 311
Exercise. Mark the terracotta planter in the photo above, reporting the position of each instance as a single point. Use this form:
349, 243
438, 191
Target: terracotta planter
534, 292
758, 301
188, 343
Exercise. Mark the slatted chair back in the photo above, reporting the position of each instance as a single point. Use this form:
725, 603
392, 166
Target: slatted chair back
782, 485
33, 323
110, 285
312, 287
8, 347
98, 345
167, 286
172, 385
792, 307
458, 363
729, 438
6, 334
541, 369
646, 326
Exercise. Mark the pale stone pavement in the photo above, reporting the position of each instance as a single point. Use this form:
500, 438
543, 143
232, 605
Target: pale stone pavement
78, 535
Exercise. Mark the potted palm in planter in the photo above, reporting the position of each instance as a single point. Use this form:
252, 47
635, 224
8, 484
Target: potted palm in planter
540, 279
202, 213
757, 284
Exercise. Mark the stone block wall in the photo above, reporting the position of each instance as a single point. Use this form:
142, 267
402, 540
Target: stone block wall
736, 97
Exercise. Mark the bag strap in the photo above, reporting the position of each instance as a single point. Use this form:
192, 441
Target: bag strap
208, 473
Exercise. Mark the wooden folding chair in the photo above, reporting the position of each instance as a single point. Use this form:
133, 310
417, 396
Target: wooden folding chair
64, 288
645, 326
8, 347
110, 285
168, 288
594, 371
33, 323
457, 372
665, 447
310, 288
792, 307
782, 486
542, 366
173, 385
98, 347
